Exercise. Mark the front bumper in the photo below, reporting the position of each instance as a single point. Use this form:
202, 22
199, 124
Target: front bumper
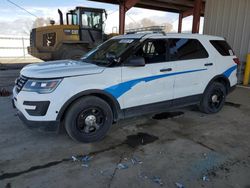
37, 111
45, 126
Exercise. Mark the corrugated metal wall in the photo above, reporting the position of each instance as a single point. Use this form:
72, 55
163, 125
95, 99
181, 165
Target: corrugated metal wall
230, 19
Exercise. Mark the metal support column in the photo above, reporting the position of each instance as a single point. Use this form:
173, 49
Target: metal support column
196, 16
122, 13
180, 22
124, 6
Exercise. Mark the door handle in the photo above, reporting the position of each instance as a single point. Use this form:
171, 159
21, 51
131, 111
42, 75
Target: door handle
166, 70
208, 64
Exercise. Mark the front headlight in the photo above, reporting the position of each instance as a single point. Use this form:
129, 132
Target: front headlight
41, 86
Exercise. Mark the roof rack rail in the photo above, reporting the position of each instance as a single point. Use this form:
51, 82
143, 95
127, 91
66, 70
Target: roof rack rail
151, 29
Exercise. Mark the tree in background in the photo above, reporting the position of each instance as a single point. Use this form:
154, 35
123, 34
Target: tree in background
146, 22
41, 22
27, 25
22, 27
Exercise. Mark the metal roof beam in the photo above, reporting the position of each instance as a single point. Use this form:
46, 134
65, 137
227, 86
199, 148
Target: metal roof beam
186, 3
162, 5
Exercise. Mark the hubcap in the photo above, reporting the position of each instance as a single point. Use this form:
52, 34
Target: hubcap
216, 99
90, 120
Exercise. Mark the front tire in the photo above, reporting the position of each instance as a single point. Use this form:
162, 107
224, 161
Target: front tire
88, 119
213, 99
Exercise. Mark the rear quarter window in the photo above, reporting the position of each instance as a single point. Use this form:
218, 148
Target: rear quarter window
222, 47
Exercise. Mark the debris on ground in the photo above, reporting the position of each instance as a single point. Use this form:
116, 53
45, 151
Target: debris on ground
143, 176
102, 171
122, 166
85, 160
4, 92
74, 158
179, 185
157, 180
205, 178
136, 161
85, 165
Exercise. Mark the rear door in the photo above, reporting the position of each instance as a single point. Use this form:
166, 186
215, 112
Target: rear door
192, 66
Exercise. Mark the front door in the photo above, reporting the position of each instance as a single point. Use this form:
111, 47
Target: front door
152, 83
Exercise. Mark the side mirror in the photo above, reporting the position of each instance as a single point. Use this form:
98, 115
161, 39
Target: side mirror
111, 57
135, 62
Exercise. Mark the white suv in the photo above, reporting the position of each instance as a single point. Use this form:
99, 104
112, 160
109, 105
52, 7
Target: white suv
126, 76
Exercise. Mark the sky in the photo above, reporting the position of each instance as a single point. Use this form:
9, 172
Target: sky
15, 21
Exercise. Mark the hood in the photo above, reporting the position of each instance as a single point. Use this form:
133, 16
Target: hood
60, 68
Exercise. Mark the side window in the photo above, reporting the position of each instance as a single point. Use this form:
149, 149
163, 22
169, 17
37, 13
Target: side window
153, 51
148, 48
222, 47
91, 20
72, 19
185, 49
84, 20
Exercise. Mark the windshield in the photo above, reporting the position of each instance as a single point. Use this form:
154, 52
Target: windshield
114, 46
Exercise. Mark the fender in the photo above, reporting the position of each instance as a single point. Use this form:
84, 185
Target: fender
219, 78
114, 104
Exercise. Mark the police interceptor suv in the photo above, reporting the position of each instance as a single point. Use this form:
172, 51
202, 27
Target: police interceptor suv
126, 76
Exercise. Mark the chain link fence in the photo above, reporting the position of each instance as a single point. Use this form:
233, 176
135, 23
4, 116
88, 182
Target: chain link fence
14, 47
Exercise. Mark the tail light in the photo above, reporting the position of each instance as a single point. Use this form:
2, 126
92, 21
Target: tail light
236, 60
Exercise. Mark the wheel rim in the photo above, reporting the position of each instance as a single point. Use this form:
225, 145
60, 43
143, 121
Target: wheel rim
215, 99
90, 120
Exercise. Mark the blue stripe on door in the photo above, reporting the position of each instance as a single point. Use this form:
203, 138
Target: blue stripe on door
119, 89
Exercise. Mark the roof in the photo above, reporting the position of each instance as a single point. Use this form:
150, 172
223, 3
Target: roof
176, 6
167, 35
90, 9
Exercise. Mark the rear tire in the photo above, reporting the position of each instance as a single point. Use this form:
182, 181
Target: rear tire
213, 98
88, 119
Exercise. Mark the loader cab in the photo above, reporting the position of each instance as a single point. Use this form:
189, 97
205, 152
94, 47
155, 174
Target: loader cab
90, 21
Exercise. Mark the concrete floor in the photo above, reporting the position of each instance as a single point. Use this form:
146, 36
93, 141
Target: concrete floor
190, 145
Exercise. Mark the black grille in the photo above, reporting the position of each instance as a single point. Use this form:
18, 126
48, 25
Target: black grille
20, 81
33, 38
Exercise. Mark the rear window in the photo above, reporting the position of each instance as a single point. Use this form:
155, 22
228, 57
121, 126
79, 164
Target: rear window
185, 49
222, 47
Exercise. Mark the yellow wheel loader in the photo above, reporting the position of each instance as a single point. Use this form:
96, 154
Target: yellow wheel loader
83, 31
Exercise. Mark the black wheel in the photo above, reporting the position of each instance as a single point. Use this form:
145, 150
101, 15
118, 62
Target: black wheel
213, 99
88, 119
